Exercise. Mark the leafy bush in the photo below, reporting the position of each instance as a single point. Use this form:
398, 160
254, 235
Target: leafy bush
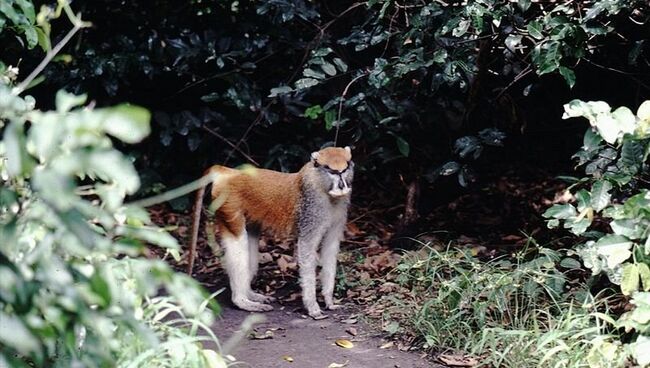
612, 212
72, 290
396, 79
512, 311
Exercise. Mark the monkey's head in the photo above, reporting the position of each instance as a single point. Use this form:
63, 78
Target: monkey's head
335, 170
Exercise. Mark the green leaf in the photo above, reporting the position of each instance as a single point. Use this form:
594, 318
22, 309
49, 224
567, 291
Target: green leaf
27, 8
280, 91
535, 30
313, 74
600, 196
402, 146
328, 68
630, 279
560, 211
643, 113
343, 67
31, 35
641, 350
330, 118
615, 249
19, 162
66, 101
127, 123
15, 334
313, 112
112, 167
625, 119
569, 76
305, 83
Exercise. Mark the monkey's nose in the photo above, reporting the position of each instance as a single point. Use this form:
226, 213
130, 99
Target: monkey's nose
341, 186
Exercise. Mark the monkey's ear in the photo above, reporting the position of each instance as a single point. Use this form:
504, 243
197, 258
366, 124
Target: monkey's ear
348, 151
314, 156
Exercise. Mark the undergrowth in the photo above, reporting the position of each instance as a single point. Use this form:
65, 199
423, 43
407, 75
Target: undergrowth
514, 311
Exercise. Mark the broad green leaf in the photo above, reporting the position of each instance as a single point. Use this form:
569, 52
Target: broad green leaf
127, 123
608, 128
615, 249
45, 135
67, 101
27, 8
330, 119
280, 91
19, 162
328, 68
569, 76
16, 335
625, 119
306, 83
643, 113
600, 196
535, 30
629, 228
115, 168
560, 211
630, 280
641, 350
31, 35
343, 67
402, 146
310, 73
313, 112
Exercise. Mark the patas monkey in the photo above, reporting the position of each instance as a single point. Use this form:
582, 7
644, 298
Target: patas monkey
311, 204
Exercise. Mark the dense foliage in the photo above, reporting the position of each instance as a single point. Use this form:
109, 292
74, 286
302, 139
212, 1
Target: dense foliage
402, 81
74, 290
612, 212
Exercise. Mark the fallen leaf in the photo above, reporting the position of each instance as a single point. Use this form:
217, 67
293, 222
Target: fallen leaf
352, 331
285, 263
458, 360
338, 365
346, 344
387, 345
349, 321
287, 358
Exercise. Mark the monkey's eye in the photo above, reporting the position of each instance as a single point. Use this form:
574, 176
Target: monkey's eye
316, 164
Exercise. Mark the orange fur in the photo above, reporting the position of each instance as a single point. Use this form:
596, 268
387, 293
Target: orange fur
264, 197
336, 159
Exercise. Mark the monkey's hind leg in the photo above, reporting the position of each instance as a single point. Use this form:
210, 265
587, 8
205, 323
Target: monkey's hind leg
254, 259
237, 263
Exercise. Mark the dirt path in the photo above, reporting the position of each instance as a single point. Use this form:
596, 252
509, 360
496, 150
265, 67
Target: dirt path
310, 343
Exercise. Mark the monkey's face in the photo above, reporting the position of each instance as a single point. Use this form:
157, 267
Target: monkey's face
335, 170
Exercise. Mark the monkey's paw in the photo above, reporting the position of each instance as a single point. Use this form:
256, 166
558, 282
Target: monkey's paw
317, 314
260, 298
251, 306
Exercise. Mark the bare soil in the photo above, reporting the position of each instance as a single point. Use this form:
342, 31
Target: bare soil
301, 342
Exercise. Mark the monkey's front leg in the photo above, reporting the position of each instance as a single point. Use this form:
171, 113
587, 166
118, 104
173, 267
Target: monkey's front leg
329, 251
307, 264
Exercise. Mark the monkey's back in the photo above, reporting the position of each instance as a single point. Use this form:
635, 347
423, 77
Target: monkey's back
264, 197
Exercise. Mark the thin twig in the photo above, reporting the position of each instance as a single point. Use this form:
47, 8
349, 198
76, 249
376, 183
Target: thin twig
519, 76
175, 193
341, 99
228, 142
631, 75
77, 25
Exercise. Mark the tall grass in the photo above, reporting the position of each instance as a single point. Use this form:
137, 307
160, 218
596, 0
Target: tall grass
514, 311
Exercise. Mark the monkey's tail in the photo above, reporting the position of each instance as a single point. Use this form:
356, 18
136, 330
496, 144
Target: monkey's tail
196, 221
